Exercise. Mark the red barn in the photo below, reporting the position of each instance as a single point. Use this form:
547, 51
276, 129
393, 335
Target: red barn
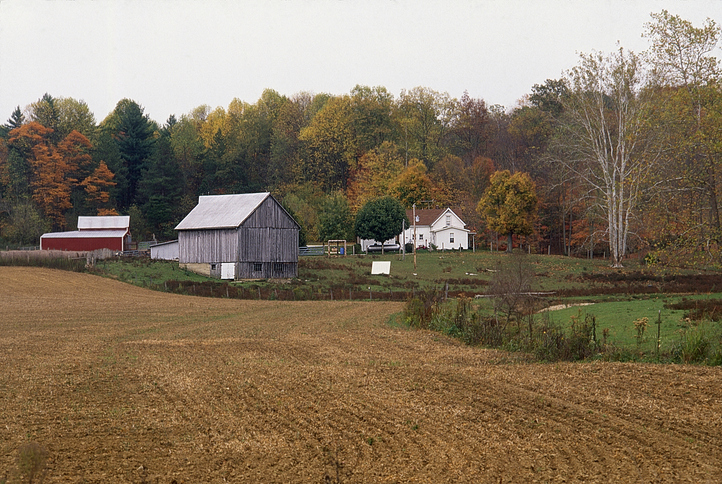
110, 232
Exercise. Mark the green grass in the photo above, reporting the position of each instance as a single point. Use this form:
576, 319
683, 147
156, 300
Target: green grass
619, 317
145, 272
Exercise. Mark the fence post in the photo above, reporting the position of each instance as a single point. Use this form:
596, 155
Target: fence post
659, 330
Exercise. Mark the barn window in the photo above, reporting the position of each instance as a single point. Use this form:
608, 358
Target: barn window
214, 267
257, 267
278, 267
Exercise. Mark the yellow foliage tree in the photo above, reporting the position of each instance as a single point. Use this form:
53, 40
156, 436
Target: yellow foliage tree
509, 204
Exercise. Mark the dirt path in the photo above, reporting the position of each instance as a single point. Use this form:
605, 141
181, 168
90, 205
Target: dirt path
121, 384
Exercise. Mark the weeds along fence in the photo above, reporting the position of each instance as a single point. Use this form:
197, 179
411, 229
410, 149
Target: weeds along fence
266, 292
67, 261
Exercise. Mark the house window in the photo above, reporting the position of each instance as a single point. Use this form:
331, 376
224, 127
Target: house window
257, 267
448, 221
278, 267
451, 237
421, 236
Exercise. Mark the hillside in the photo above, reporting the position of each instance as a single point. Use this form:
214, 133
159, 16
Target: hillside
123, 384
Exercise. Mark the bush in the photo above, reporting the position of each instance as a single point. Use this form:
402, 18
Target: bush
422, 308
554, 345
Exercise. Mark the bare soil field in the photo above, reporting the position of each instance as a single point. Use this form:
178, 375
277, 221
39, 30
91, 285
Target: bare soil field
122, 384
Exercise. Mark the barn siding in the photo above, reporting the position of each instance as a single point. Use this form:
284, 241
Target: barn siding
269, 234
82, 243
269, 270
196, 246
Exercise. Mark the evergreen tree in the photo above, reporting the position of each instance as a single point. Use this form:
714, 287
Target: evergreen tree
16, 120
133, 133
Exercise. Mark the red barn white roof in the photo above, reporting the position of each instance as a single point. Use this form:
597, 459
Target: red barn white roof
79, 234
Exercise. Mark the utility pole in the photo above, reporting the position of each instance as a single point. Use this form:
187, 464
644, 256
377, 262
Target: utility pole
414, 216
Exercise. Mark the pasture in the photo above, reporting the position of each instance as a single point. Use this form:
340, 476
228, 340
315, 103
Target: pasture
118, 383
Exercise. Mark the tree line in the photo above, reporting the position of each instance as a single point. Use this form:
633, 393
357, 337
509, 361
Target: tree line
623, 151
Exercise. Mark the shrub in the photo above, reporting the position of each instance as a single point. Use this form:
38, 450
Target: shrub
422, 308
552, 344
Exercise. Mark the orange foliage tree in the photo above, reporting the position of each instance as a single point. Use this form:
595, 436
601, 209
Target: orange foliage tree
97, 187
56, 169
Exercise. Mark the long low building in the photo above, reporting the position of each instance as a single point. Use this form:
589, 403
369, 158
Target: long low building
102, 232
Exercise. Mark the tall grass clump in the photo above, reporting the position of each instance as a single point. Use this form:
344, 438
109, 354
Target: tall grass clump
552, 343
41, 260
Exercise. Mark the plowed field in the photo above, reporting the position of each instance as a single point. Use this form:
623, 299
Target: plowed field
121, 384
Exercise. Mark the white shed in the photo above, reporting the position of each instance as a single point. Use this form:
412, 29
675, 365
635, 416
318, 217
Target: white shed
165, 250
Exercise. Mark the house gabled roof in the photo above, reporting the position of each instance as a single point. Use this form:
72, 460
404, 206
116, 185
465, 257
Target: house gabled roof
425, 216
222, 211
116, 222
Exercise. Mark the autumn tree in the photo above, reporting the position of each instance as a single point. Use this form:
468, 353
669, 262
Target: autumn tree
50, 182
470, 132
284, 155
381, 219
329, 145
509, 204
685, 77
374, 174
412, 185
423, 118
371, 116
97, 187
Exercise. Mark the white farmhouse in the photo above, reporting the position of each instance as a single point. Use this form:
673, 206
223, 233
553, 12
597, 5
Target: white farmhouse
441, 228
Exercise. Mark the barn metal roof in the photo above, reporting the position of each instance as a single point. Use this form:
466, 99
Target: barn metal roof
222, 211
104, 222
83, 234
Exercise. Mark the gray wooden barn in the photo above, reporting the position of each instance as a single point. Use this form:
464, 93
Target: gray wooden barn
247, 236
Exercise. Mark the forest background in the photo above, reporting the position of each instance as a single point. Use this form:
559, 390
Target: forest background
624, 151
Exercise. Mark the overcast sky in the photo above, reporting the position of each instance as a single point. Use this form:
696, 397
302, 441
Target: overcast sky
171, 56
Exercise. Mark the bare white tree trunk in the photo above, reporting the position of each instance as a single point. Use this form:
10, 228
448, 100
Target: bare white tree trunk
602, 139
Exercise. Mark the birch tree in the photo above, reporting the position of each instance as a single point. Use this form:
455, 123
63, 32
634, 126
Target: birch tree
602, 140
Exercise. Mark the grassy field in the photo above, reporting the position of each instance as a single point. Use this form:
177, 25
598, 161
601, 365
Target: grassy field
109, 382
